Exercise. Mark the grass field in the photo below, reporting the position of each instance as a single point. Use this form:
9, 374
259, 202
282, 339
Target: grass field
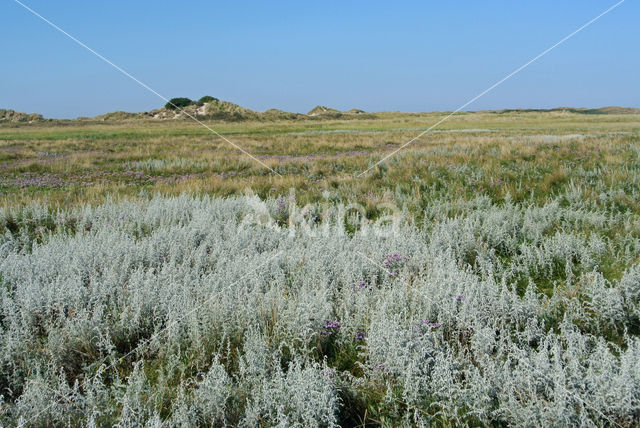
471, 153
488, 274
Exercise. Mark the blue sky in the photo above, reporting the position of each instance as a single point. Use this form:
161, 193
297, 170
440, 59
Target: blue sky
292, 55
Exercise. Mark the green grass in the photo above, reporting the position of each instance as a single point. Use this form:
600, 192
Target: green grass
474, 162
526, 155
510, 157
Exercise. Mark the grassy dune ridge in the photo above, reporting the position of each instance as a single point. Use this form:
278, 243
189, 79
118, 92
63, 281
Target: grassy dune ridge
487, 275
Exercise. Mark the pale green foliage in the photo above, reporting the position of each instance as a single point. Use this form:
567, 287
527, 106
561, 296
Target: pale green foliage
302, 397
167, 165
196, 311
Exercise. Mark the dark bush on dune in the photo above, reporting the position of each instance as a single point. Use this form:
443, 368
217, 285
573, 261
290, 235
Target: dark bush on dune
207, 99
180, 102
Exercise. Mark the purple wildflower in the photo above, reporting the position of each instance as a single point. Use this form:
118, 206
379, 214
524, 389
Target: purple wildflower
331, 327
360, 335
460, 298
359, 285
281, 209
328, 373
380, 367
332, 324
393, 262
427, 323
392, 258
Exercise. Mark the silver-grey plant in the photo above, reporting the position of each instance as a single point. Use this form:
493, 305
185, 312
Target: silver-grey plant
183, 311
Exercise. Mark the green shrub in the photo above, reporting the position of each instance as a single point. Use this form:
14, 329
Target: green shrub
207, 99
175, 103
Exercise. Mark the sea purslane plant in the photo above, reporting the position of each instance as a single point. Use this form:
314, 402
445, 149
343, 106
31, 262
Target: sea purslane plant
196, 311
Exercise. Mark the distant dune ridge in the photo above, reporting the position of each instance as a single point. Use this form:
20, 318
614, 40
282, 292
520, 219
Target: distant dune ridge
210, 108
581, 110
16, 116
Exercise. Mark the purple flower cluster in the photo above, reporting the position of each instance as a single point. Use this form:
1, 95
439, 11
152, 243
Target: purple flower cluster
358, 285
460, 298
392, 258
360, 335
282, 211
331, 327
427, 323
380, 367
329, 373
28, 179
393, 262
229, 174
91, 178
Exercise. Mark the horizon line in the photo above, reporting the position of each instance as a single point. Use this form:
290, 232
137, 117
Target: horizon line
568, 107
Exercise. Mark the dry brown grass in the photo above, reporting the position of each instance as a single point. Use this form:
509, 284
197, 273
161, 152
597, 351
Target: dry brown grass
480, 153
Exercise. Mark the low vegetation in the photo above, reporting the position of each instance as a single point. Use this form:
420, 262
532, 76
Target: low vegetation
177, 103
489, 274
